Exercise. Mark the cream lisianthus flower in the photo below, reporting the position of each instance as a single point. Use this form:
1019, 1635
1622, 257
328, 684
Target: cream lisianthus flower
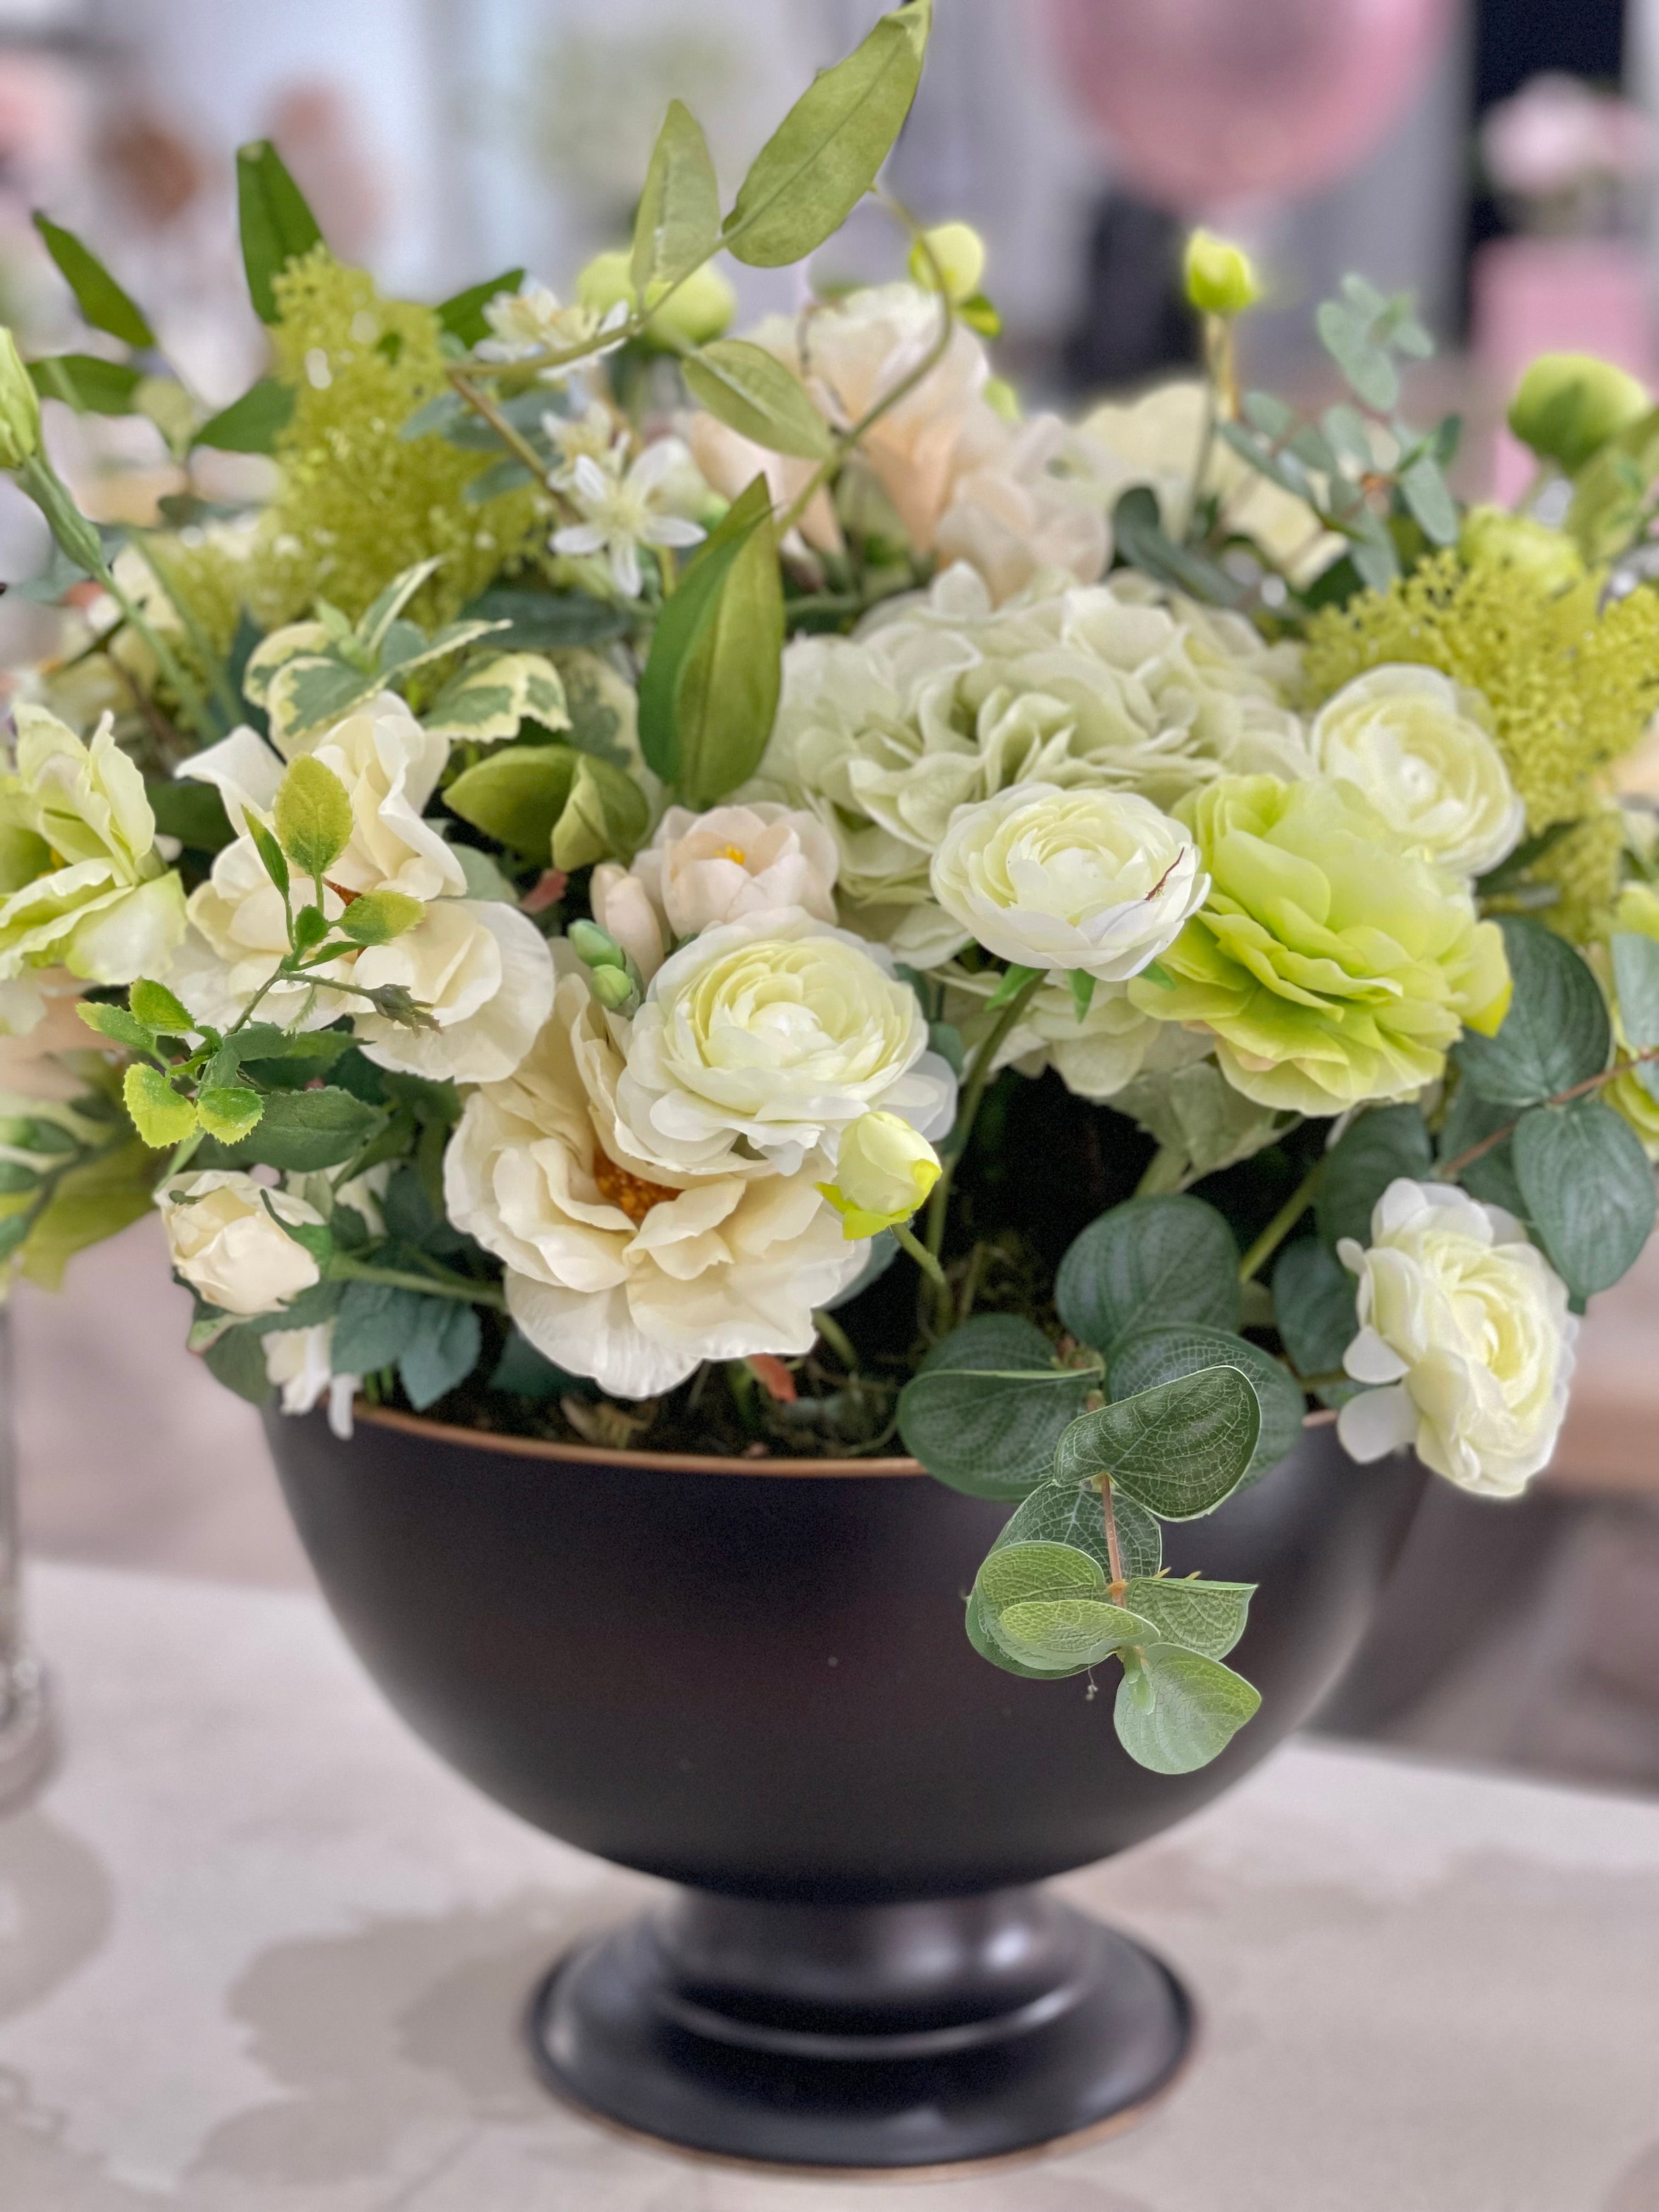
81, 884
622, 510
617, 1269
1418, 745
300, 1364
702, 869
760, 1040
885, 1171
1465, 1327
942, 700
227, 1246
1094, 882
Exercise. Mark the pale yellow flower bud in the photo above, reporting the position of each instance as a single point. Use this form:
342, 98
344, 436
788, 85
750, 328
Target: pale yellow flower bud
959, 252
883, 1172
1220, 276
697, 310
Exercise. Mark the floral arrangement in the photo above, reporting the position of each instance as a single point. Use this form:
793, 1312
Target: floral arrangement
665, 889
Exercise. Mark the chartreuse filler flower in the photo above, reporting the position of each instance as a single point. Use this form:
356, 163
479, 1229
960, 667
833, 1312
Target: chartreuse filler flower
778, 882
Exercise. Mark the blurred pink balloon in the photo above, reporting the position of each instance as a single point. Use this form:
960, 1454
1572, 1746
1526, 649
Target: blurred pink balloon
1209, 102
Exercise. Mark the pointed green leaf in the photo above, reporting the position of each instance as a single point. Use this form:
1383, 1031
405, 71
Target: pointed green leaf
1204, 1617
118, 1025
605, 816
1636, 979
157, 1007
463, 313
87, 382
441, 1351
377, 917
253, 424
1153, 1259
827, 152
1178, 1449
160, 1115
277, 225
270, 854
301, 1131
229, 1110
236, 1358
989, 1405
679, 223
101, 301
1176, 1711
493, 694
312, 816
1314, 1310
1589, 1190
754, 394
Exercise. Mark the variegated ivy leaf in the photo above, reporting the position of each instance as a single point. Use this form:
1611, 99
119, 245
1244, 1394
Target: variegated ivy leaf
294, 641
493, 695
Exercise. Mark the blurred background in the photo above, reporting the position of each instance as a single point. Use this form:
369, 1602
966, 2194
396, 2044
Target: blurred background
1497, 157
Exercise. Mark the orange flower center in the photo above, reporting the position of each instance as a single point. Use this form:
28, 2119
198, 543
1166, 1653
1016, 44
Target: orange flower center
632, 1193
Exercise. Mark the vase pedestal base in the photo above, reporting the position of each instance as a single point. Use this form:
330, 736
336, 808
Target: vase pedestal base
863, 2039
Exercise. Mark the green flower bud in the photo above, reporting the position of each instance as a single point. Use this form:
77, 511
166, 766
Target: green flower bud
20, 407
696, 311
1548, 556
959, 251
1221, 279
614, 987
1568, 405
595, 947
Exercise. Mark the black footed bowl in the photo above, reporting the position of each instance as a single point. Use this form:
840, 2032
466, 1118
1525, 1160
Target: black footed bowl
750, 1678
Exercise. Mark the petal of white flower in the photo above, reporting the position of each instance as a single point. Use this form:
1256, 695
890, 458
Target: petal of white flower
658, 461
579, 537
1369, 1358
342, 1393
593, 485
673, 530
625, 567
1376, 1423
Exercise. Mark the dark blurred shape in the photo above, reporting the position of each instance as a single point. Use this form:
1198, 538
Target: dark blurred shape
157, 171
1582, 38
1133, 322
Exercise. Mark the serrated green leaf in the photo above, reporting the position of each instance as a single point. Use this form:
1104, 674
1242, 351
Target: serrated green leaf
374, 1323
1165, 1350
709, 694
236, 1358
270, 854
1314, 1309
229, 1110
1589, 1190
827, 152
440, 1351
1378, 1147
1557, 1031
1179, 1448
1195, 1708
756, 394
1150, 1259
101, 301
160, 1115
87, 382
463, 313
118, 1025
989, 1405
1071, 1514
301, 1131
523, 1372
277, 225
157, 1007
1205, 1617
253, 424
312, 816
678, 226
377, 917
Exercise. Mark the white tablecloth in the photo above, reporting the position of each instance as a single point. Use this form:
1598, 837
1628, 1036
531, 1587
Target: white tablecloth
259, 1951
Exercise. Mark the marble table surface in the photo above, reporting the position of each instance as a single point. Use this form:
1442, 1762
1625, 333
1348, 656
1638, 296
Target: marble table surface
259, 1951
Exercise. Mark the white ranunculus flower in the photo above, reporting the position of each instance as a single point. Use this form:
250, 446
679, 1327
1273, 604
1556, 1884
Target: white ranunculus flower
1465, 1326
1098, 882
702, 869
940, 700
81, 884
226, 1245
485, 973
299, 1362
617, 1269
761, 1040
1417, 744
1113, 1045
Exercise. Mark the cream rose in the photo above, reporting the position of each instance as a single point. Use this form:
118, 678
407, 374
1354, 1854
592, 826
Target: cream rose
483, 972
884, 1172
615, 1269
81, 884
702, 869
1465, 1327
1418, 745
1097, 882
760, 1040
227, 1246
300, 1364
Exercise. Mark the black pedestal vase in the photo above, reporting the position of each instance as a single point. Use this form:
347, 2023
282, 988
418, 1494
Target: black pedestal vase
750, 1678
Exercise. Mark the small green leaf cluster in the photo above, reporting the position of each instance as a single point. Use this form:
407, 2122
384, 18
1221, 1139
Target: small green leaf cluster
1161, 1413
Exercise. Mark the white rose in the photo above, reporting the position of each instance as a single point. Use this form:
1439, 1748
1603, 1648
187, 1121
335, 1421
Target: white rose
885, 1171
761, 1040
1466, 1326
483, 972
1095, 881
615, 1269
226, 1245
1417, 744
81, 884
299, 1362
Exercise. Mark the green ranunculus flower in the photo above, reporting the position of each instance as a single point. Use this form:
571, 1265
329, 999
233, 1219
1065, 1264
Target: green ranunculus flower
1333, 965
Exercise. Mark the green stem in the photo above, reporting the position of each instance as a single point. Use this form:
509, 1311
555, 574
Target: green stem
1449, 1171
1281, 1224
837, 1339
1113, 1551
927, 1261
343, 1270
1164, 1171
962, 1129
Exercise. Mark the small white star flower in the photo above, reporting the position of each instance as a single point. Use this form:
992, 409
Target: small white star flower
531, 321
593, 433
621, 512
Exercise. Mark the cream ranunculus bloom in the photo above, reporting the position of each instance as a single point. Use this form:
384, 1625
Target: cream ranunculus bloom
227, 1247
1113, 1046
483, 972
1417, 744
1095, 881
617, 1269
702, 869
942, 700
81, 885
883, 1172
1465, 1327
760, 1040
